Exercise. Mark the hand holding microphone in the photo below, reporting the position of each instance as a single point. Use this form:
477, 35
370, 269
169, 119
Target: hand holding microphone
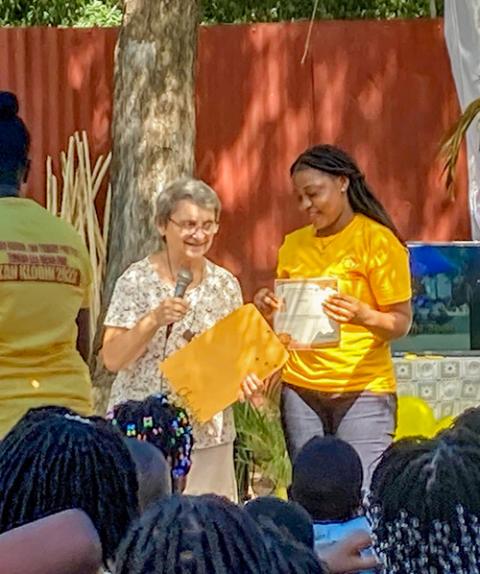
170, 311
175, 308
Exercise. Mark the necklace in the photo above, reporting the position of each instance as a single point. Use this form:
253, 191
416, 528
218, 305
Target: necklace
169, 263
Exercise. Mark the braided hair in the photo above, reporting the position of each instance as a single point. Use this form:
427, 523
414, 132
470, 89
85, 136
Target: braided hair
289, 517
334, 161
54, 460
287, 556
425, 504
14, 142
160, 423
469, 420
186, 534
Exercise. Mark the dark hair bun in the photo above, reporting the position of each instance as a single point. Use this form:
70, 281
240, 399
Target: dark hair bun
8, 105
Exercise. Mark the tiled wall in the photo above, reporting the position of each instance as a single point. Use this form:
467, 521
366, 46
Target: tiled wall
448, 384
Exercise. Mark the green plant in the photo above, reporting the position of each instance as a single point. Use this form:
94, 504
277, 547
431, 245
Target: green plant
109, 12
261, 457
228, 11
60, 13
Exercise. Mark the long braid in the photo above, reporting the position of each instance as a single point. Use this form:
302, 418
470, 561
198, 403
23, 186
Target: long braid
51, 462
425, 504
334, 161
201, 535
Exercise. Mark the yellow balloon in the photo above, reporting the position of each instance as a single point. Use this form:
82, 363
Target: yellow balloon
443, 423
415, 417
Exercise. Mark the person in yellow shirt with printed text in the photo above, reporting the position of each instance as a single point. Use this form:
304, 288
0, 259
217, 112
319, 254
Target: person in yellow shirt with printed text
348, 390
45, 279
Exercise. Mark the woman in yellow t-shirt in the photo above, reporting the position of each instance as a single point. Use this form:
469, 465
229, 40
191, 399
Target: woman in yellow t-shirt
348, 390
45, 280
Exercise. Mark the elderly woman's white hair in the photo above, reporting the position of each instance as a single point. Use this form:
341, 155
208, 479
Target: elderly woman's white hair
185, 189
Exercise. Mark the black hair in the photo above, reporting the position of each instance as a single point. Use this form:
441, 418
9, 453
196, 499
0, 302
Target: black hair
14, 141
288, 556
289, 517
193, 534
428, 478
425, 503
327, 478
153, 472
334, 161
469, 420
54, 460
160, 423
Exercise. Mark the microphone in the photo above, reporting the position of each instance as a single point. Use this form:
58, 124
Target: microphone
184, 278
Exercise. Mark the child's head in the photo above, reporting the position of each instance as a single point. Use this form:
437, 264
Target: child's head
327, 479
425, 504
14, 142
157, 421
289, 517
469, 420
185, 534
153, 472
287, 556
53, 460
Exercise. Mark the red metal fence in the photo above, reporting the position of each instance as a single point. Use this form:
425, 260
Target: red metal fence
381, 89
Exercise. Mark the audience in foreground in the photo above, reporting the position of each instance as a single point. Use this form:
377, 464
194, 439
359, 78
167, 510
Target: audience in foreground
185, 534
425, 505
53, 460
327, 481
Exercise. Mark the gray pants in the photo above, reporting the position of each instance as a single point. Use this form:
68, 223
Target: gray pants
365, 420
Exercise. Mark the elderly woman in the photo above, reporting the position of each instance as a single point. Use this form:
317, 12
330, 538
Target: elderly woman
143, 305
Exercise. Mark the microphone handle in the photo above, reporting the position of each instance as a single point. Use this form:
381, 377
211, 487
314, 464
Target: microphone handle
180, 290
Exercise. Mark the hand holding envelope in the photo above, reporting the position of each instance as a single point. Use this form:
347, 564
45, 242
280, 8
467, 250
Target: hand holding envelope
208, 373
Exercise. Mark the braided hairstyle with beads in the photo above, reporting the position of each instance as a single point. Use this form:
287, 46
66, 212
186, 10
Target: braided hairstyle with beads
194, 535
334, 161
53, 460
425, 505
14, 142
160, 423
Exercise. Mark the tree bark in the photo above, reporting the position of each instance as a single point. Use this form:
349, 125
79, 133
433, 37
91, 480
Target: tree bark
153, 131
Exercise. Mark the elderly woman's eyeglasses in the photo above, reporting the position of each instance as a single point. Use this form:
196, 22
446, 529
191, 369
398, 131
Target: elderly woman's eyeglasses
191, 227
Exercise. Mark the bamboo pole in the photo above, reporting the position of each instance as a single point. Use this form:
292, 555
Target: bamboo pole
49, 185
75, 202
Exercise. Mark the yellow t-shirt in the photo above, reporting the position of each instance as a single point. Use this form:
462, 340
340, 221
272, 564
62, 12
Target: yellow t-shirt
370, 264
45, 279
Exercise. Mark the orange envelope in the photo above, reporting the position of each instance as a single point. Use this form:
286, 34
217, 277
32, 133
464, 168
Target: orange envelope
208, 372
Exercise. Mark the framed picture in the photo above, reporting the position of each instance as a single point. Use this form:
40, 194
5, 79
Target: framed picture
301, 322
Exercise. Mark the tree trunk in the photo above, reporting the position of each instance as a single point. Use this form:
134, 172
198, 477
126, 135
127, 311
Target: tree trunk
153, 130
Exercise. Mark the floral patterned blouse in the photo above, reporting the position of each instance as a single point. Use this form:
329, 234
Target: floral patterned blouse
138, 291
